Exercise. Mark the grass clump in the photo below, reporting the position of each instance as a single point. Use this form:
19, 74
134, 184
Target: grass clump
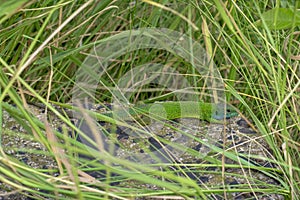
45, 44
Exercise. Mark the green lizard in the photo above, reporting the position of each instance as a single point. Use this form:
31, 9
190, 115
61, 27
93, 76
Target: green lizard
172, 110
159, 110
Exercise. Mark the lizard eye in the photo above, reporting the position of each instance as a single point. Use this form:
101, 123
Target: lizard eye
228, 110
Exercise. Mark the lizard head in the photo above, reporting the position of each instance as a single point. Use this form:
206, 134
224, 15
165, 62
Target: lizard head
224, 111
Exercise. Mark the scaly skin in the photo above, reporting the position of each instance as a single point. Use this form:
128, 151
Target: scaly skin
174, 110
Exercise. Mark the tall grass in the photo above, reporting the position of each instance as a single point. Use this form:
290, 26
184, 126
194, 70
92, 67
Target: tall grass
43, 44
